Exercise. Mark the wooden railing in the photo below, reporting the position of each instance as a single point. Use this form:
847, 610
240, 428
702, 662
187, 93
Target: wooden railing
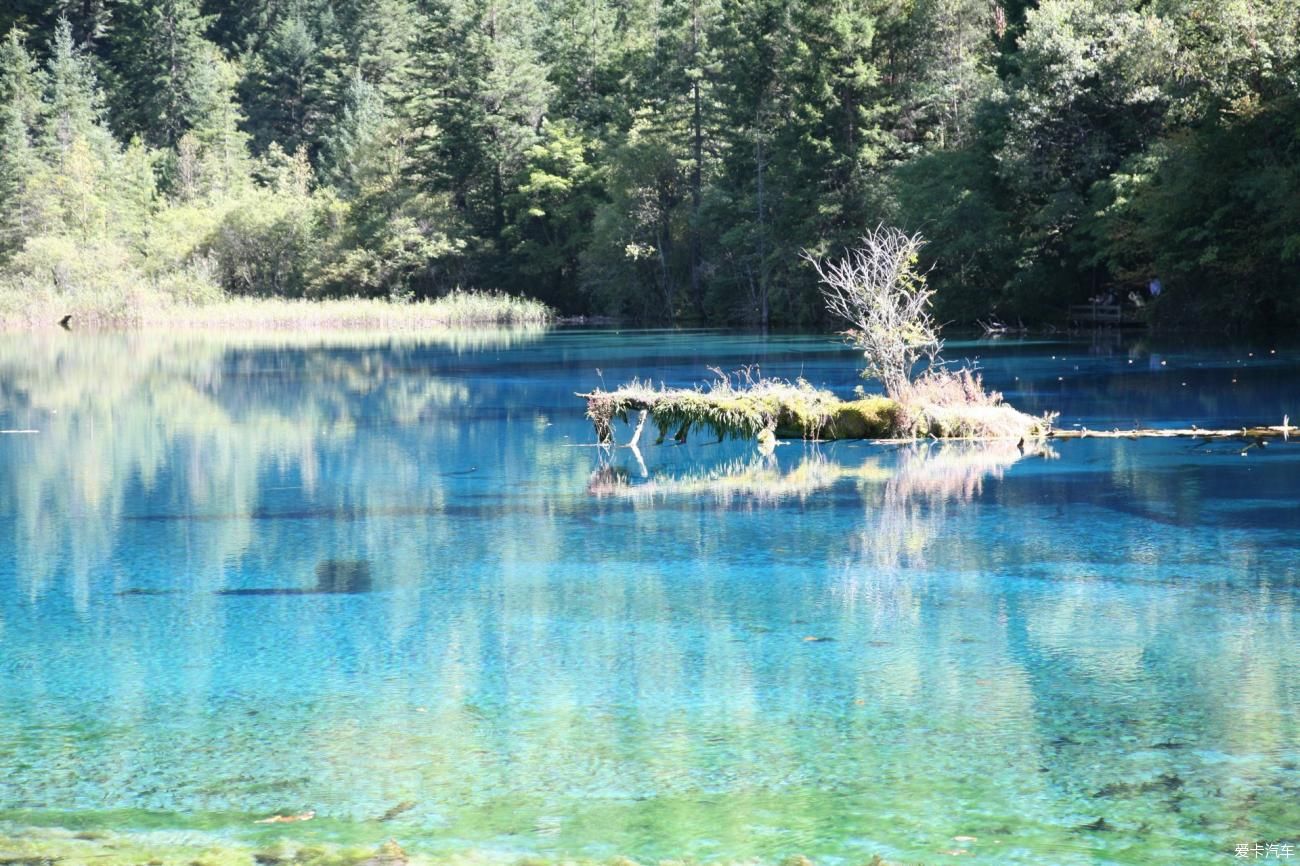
1097, 313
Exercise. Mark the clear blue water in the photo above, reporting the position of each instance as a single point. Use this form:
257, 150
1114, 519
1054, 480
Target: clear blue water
851, 650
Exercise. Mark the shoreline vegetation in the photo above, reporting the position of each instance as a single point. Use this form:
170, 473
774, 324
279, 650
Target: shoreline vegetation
664, 165
458, 309
154, 176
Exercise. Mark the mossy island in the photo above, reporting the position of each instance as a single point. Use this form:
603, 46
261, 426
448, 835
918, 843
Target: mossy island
943, 406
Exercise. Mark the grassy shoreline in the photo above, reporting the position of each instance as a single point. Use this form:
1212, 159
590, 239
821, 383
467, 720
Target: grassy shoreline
459, 309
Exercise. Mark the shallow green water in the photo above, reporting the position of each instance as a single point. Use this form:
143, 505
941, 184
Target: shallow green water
850, 650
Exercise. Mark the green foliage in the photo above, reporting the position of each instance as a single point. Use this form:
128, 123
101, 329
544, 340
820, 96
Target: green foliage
481, 95
550, 212
662, 160
20, 110
384, 237
263, 246
163, 61
281, 89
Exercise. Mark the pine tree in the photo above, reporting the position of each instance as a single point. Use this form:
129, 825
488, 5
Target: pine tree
382, 34
20, 86
220, 148
280, 90
479, 97
76, 146
682, 78
162, 59
832, 138
73, 101
937, 62
352, 148
753, 44
392, 236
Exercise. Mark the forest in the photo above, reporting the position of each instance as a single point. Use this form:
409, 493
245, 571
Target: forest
656, 160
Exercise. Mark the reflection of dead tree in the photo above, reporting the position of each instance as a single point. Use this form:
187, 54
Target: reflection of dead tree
929, 479
758, 478
955, 472
926, 472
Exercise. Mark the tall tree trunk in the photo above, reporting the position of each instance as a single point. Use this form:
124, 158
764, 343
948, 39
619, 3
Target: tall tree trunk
665, 245
697, 164
760, 163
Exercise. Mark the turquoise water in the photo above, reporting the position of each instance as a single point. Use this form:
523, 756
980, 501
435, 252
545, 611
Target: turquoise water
848, 650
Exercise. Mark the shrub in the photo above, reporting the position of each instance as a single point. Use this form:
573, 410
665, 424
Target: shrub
263, 243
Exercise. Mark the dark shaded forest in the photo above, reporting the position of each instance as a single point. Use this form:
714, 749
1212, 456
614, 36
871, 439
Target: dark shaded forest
656, 160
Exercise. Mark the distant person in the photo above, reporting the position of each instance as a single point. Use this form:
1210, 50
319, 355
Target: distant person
1155, 287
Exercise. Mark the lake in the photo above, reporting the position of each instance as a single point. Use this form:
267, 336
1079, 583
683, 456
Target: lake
391, 578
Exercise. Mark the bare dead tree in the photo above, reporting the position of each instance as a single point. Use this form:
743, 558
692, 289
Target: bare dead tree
877, 289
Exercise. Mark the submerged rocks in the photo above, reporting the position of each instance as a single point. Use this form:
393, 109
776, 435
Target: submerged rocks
1166, 782
333, 577
287, 819
400, 809
343, 575
389, 854
1098, 826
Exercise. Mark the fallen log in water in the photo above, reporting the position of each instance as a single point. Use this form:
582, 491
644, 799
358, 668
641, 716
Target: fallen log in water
1282, 431
793, 413
935, 406
771, 409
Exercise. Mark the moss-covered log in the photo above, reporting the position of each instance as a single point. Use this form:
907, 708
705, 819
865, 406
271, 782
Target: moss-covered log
797, 410
789, 410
